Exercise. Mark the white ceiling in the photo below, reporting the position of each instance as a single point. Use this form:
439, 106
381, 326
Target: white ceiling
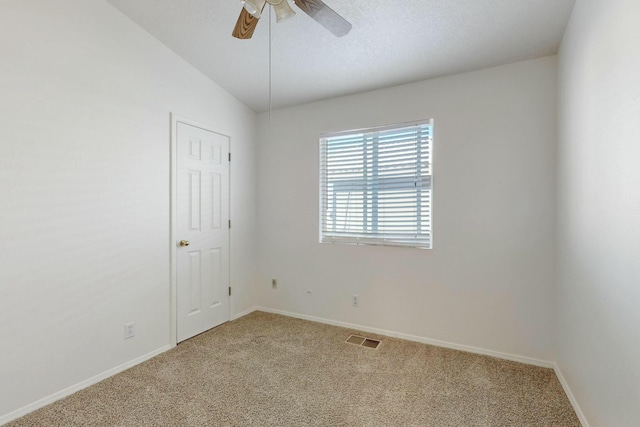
392, 42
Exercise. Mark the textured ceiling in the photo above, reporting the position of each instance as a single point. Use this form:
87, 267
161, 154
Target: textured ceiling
392, 42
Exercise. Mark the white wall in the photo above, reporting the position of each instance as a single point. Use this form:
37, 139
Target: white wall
488, 282
598, 296
85, 102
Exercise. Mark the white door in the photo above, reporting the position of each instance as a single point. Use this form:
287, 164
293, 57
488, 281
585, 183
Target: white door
202, 230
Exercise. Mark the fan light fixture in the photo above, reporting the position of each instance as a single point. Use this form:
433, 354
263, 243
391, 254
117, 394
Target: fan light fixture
283, 10
254, 7
316, 9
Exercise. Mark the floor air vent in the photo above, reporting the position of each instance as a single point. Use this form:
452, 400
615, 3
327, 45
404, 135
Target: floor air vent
362, 341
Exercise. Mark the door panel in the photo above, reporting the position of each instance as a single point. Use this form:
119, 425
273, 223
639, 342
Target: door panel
202, 220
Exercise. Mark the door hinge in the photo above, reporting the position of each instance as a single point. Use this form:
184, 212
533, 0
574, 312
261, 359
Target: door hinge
229, 156
229, 223
229, 290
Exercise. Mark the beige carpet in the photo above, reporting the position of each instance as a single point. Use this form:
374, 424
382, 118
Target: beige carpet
270, 370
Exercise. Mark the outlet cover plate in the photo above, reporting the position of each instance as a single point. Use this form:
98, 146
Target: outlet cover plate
129, 330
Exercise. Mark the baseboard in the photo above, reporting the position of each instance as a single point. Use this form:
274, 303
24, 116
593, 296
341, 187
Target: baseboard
244, 313
79, 386
572, 398
423, 340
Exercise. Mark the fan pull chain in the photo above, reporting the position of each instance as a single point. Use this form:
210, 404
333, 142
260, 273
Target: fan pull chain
270, 79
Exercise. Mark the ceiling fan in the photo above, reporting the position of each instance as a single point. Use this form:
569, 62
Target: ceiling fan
316, 9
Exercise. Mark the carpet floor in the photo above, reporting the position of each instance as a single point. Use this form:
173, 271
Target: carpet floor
271, 370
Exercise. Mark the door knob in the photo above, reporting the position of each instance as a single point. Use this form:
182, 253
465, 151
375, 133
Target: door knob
184, 243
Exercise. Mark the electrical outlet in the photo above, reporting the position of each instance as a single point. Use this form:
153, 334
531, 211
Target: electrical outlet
274, 283
129, 330
355, 301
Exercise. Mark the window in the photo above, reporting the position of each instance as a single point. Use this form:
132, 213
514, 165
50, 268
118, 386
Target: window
375, 186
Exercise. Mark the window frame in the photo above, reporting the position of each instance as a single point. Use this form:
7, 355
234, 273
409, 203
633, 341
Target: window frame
370, 195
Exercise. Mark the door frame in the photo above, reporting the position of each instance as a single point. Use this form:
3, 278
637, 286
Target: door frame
175, 119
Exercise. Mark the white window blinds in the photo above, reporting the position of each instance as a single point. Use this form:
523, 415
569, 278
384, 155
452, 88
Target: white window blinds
375, 186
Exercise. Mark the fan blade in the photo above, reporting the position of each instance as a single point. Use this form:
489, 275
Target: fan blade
245, 26
325, 16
